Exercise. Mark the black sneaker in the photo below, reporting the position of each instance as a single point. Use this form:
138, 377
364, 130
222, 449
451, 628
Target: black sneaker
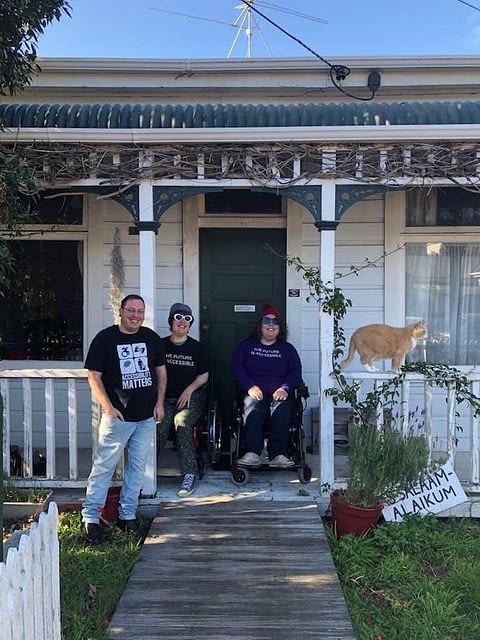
189, 485
94, 533
128, 525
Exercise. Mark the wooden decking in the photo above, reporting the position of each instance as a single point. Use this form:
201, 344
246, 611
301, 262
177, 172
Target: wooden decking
234, 569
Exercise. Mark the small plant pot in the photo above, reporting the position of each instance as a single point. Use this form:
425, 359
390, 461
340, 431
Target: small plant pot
20, 510
349, 518
110, 510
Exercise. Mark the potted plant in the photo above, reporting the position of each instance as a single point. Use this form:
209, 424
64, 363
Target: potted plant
383, 463
385, 460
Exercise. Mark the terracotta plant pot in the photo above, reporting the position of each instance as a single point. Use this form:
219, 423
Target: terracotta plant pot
110, 510
349, 518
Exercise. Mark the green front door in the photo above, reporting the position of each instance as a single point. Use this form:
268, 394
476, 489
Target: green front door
238, 274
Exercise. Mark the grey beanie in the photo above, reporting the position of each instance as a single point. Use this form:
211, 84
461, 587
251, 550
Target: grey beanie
179, 307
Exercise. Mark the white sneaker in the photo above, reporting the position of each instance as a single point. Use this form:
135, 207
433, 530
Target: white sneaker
250, 459
281, 462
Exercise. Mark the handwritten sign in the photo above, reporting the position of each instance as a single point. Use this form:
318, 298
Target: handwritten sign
440, 490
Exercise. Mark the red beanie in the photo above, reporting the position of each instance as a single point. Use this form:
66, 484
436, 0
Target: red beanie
270, 310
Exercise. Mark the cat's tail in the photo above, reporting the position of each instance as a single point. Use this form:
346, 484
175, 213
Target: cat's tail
351, 352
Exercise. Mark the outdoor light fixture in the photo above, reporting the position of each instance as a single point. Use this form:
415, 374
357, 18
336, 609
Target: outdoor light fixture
374, 81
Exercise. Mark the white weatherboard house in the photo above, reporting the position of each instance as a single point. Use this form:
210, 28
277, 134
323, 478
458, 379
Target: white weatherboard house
176, 174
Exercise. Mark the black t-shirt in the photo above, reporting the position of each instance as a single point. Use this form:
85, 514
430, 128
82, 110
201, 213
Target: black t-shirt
184, 363
127, 363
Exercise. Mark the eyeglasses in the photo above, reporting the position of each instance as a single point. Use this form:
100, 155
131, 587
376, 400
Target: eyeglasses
267, 320
180, 316
132, 310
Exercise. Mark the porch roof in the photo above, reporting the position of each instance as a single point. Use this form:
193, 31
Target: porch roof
200, 116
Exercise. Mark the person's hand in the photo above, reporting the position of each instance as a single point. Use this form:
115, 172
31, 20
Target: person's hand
255, 393
280, 394
159, 412
184, 398
112, 412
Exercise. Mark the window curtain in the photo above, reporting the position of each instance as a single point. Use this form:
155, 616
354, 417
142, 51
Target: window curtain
443, 290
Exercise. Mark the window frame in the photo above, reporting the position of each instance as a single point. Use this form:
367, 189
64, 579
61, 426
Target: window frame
397, 236
44, 232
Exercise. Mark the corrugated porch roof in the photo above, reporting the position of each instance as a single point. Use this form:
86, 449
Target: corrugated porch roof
199, 116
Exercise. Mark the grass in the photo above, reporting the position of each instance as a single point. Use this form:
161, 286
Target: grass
92, 578
418, 580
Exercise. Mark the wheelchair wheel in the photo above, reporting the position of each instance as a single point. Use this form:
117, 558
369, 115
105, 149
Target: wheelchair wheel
214, 434
304, 474
239, 476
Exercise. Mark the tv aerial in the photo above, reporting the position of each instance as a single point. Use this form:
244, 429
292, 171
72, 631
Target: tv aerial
247, 23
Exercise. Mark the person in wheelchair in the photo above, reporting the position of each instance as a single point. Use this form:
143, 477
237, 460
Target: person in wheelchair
187, 375
267, 370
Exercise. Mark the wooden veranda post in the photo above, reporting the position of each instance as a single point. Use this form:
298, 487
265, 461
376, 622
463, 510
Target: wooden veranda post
327, 274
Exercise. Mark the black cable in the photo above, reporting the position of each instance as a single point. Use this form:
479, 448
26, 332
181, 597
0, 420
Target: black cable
340, 71
350, 95
467, 4
277, 26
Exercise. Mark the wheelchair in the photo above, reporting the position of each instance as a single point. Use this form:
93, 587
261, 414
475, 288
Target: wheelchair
208, 437
296, 446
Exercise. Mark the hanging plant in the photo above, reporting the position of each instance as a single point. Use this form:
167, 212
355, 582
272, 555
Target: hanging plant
117, 274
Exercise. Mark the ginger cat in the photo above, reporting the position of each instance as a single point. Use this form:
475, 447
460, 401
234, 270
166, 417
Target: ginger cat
379, 341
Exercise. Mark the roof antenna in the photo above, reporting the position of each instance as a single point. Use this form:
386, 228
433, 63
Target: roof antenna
247, 22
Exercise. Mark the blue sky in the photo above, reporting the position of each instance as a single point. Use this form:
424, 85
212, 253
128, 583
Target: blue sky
143, 29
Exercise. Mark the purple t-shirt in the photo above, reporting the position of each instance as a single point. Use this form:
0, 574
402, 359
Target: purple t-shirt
266, 366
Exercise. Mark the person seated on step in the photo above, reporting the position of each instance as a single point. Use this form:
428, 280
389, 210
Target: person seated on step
267, 369
187, 375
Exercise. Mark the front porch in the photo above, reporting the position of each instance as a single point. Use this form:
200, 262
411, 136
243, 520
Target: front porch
60, 427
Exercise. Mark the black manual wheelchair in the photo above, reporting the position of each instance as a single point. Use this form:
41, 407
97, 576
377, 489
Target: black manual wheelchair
296, 445
209, 437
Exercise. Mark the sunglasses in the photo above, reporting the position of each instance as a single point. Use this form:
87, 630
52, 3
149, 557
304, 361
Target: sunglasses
267, 320
180, 316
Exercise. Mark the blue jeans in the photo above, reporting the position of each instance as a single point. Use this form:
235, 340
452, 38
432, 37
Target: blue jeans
114, 436
254, 416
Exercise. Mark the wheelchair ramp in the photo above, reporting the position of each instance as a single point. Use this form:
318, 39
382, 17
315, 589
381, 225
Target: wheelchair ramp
234, 570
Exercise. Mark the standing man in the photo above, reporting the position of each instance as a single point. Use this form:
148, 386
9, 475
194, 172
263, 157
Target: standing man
128, 377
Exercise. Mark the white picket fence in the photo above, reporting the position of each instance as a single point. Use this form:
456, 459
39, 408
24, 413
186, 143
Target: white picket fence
30, 584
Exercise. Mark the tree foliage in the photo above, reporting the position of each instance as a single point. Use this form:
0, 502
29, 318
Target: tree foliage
22, 22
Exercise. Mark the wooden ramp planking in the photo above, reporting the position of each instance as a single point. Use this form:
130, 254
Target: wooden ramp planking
234, 570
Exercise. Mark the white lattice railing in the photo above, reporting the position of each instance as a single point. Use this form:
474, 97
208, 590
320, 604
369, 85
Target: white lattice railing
30, 584
57, 396
452, 430
369, 157
43, 403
